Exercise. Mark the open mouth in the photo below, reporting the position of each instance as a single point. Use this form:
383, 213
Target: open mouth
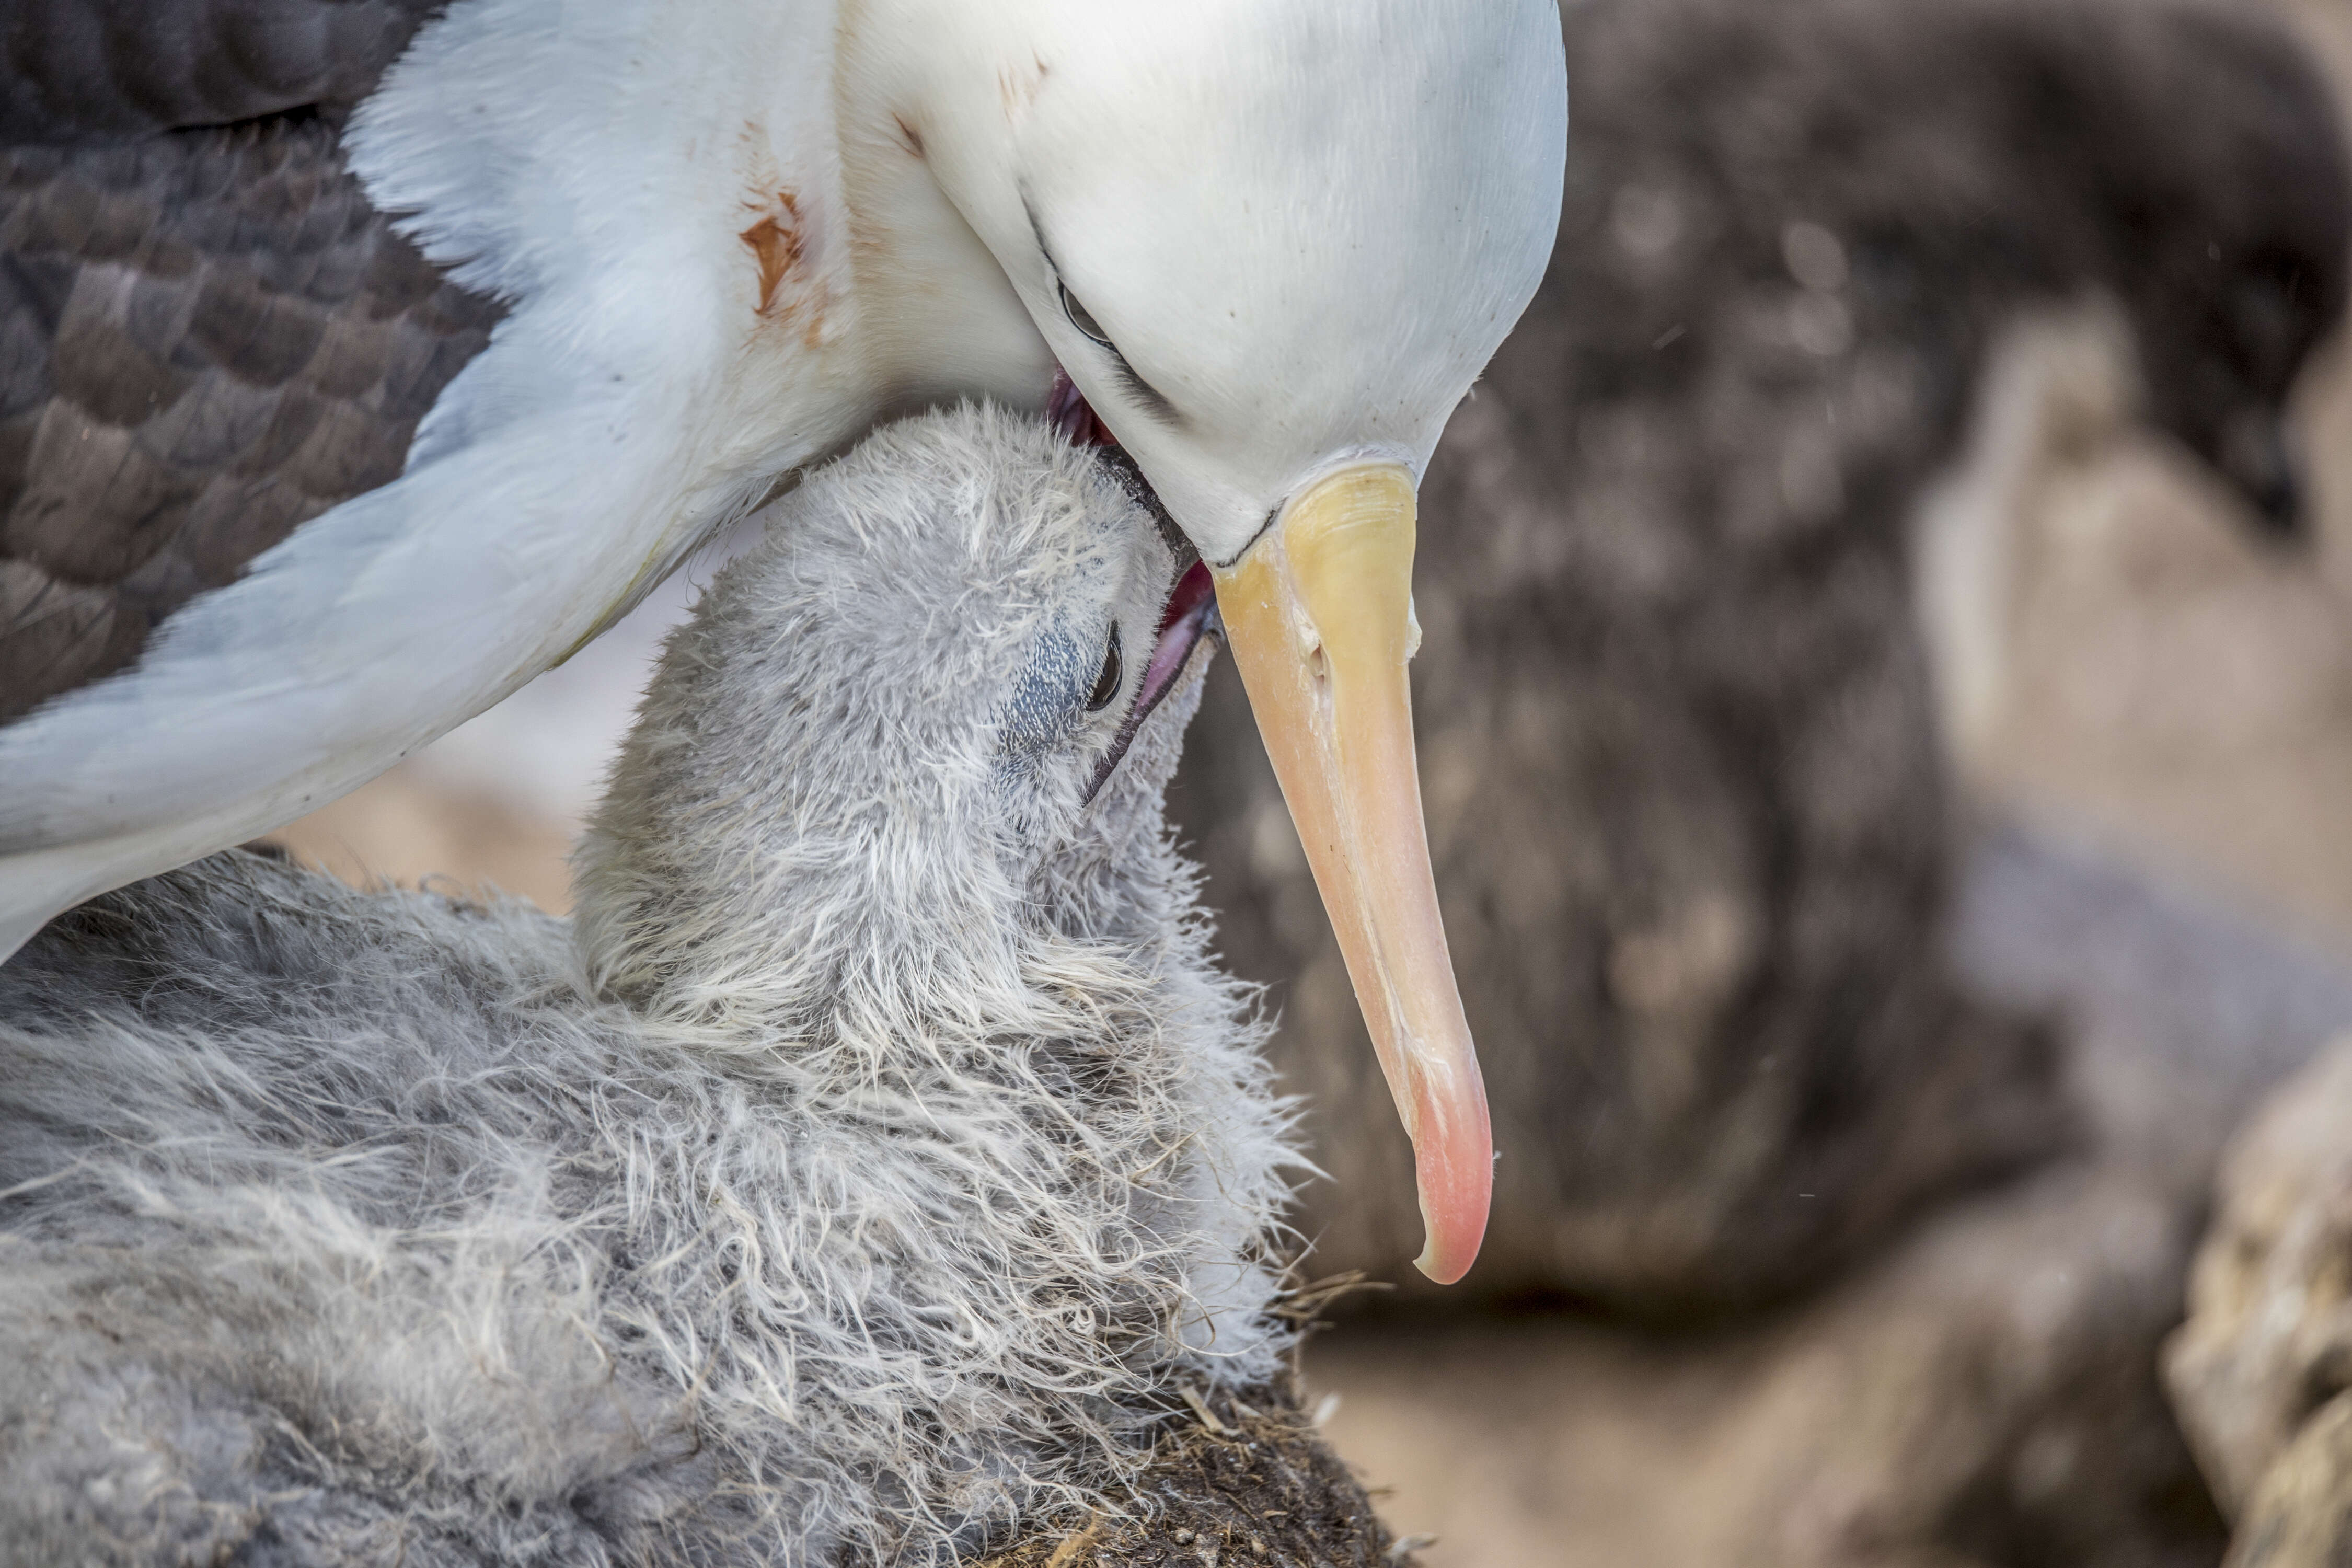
1190, 614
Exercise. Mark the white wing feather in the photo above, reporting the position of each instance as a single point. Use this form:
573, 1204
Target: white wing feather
594, 166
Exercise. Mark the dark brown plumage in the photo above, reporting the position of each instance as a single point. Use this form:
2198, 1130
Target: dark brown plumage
208, 337
1678, 747
78, 72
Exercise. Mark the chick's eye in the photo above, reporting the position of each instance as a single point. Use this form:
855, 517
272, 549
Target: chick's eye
1080, 317
1107, 683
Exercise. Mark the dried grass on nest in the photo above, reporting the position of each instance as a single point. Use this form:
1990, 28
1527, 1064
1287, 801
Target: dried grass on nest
1240, 1480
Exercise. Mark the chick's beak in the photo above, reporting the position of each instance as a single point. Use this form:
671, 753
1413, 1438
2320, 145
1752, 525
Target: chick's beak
1318, 613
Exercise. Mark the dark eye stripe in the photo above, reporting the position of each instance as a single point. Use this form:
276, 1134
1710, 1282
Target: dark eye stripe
1082, 318
1153, 400
1107, 683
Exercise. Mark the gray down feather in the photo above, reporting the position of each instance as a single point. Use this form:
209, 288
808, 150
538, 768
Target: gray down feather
863, 1173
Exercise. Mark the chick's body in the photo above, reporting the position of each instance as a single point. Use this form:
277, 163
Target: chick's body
864, 1172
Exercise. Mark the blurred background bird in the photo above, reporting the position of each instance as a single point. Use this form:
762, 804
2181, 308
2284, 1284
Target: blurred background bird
1678, 685
1812, 932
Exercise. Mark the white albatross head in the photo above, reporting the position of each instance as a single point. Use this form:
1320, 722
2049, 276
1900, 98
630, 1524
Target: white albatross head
1273, 242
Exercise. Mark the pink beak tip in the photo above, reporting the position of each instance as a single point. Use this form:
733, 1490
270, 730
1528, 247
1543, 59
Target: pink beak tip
1457, 1186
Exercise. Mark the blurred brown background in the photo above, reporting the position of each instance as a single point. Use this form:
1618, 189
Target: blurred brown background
1887, 715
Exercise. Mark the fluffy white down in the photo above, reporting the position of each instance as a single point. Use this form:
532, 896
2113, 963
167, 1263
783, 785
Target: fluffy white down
864, 1176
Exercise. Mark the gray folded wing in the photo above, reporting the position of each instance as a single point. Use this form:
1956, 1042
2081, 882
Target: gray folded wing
208, 334
78, 72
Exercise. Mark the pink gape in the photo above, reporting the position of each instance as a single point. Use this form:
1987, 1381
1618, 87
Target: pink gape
1067, 408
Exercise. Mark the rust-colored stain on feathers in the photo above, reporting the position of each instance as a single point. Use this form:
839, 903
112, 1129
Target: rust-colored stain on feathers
776, 241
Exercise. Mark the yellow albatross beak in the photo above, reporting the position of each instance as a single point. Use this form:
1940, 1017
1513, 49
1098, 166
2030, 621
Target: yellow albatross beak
1318, 613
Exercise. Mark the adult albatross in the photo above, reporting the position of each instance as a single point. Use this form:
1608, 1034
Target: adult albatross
1270, 242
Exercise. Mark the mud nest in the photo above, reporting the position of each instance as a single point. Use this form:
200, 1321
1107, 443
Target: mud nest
1243, 1480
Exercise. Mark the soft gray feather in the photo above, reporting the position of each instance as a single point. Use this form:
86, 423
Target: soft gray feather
862, 1173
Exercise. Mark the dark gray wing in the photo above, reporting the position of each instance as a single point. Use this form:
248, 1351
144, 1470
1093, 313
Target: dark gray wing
77, 72
207, 335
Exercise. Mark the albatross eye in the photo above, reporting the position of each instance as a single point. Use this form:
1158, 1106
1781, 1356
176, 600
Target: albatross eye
1107, 683
1080, 317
